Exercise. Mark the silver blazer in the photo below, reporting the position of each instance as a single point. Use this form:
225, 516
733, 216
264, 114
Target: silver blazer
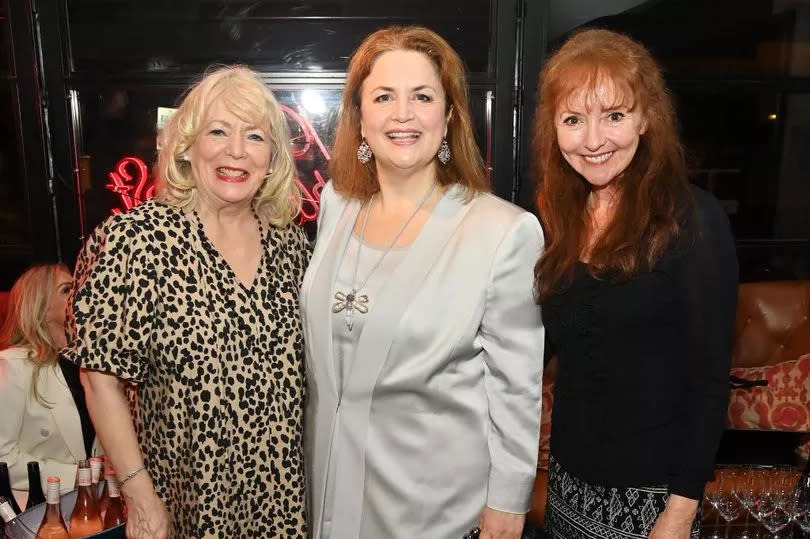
440, 412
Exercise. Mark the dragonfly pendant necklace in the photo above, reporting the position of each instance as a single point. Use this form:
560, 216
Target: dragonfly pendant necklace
352, 301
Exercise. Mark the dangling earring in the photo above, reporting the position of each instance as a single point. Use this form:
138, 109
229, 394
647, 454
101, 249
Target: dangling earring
364, 152
444, 152
183, 156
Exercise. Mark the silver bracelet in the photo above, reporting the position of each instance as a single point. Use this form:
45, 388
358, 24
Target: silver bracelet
131, 474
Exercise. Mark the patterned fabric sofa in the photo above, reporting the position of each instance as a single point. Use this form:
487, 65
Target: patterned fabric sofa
771, 343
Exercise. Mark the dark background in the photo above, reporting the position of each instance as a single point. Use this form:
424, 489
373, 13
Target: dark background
81, 82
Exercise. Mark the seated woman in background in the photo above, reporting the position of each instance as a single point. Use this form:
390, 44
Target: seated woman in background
638, 287
44, 415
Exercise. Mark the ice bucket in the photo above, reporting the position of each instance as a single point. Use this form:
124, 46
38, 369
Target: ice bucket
25, 525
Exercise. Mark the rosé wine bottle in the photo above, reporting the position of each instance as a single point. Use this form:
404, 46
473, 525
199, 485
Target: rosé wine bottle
85, 519
53, 525
115, 509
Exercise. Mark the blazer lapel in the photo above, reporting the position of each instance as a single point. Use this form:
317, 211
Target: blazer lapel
63, 411
326, 262
372, 352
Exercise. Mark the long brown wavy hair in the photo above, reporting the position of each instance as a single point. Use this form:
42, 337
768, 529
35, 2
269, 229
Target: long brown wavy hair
645, 222
26, 323
466, 167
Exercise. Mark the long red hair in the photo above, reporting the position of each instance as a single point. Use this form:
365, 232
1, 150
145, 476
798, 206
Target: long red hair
651, 188
466, 167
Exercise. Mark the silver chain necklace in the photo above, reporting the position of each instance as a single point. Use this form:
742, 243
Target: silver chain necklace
352, 301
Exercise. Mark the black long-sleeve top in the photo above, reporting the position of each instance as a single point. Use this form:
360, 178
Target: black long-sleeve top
642, 386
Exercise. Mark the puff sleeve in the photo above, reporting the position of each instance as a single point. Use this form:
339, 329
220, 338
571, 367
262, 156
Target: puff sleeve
114, 299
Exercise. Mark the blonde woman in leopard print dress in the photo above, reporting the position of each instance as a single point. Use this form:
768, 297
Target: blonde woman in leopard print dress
193, 296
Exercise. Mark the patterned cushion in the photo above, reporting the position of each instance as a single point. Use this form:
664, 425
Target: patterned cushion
784, 404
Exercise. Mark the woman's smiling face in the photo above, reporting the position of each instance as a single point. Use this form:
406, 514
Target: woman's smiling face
230, 157
403, 111
597, 137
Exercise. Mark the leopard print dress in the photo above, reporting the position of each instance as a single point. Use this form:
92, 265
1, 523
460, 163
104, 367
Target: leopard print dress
219, 366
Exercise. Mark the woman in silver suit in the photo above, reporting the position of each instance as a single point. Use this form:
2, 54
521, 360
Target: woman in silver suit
424, 344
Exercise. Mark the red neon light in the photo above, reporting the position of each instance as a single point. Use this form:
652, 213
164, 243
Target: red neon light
130, 179
309, 135
310, 199
131, 189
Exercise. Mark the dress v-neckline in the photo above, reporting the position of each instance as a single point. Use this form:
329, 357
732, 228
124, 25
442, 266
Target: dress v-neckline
209, 246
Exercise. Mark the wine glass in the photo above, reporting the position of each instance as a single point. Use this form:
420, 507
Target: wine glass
763, 501
750, 482
777, 520
711, 494
778, 503
801, 512
729, 505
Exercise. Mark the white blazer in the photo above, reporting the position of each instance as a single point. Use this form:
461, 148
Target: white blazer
439, 414
30, 431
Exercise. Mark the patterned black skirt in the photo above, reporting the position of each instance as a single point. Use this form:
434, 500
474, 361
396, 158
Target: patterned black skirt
577, 510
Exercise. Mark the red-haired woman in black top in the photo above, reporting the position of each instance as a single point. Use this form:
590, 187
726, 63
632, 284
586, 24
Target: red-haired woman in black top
638, 287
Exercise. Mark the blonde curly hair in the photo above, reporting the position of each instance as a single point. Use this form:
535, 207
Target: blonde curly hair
243, 93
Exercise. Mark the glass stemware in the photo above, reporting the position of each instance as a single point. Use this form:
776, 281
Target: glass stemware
729, 505
801, 512
778, 502
711, 494
777, 520
749, 483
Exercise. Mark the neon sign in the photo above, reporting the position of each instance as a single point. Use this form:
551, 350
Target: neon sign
131, 189
131, 181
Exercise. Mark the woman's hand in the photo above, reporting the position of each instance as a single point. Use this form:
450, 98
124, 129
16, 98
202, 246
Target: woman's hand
496, 524
675, 522
147, 517
669, 528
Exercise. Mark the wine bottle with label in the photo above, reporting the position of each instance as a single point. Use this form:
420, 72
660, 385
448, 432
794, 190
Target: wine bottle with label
35, 494
95, 474
115, 508
85, 520
5, 487
104, 502
7, 514
53, 525
10, 526
103, 479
